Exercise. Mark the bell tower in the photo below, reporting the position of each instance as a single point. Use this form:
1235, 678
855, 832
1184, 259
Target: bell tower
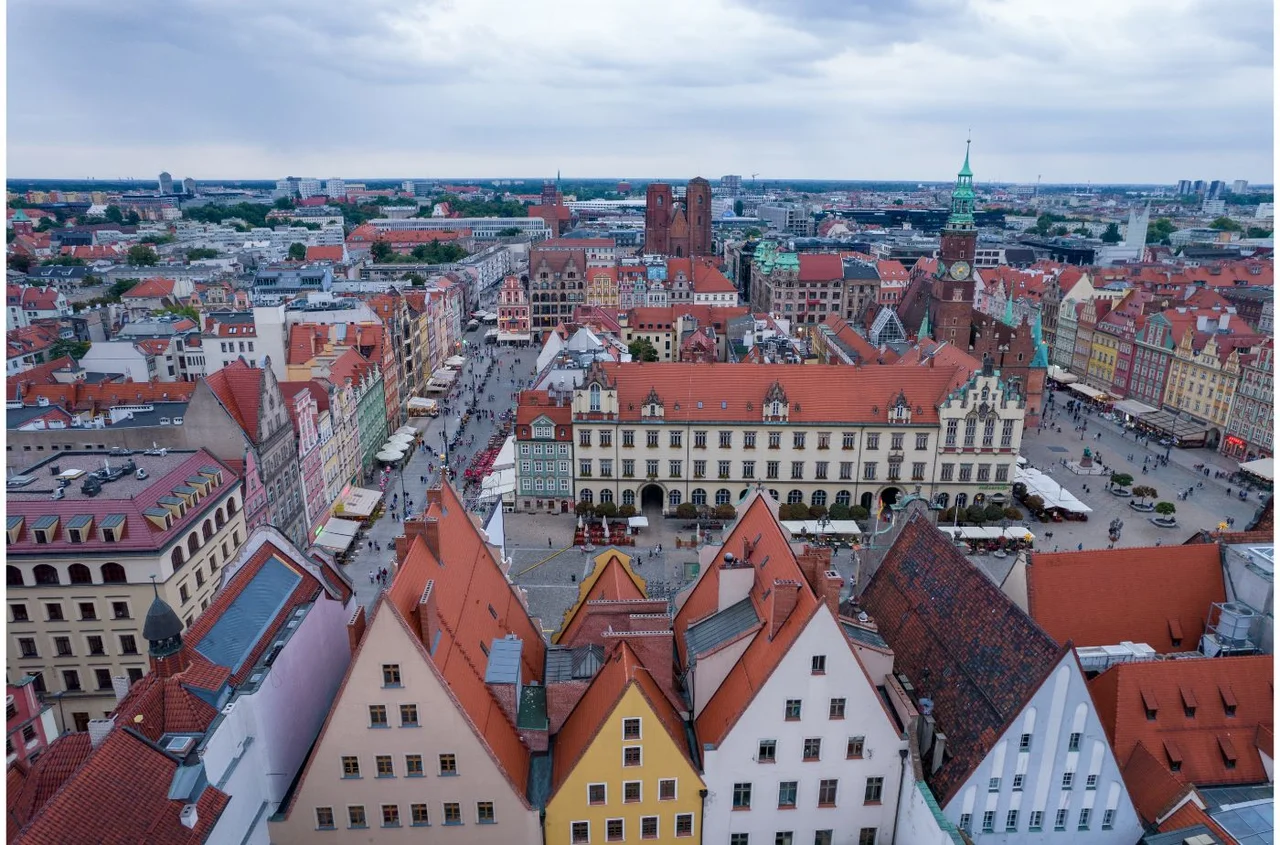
953, 280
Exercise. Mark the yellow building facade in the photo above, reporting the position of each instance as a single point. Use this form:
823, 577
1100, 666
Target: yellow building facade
1202, 382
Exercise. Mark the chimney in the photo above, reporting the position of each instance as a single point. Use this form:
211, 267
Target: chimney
189, 817
736, 579
355, 629
939, 746
831, 584
120, 686
99, 729
428, 614
781, 602
814, 561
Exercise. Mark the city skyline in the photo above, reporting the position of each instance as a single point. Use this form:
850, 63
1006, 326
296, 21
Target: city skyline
815, 90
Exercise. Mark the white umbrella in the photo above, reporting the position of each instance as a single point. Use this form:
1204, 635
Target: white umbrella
389, 457
407, 429
579, 522
396, 449
605, 523
406, 439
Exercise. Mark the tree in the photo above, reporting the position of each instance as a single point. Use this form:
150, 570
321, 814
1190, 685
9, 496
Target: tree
817, 511
1165, 509
1257, 232
283, 203
1035, 504
120, 288
898, 202
1061, 231
157, 239
583, 508
416, 280
21, 263
75, 348
838, 511
1112, 234
752, 233
1144, 492
726, 512
297, 252
642, 349
1012, 514
737, 208
993, 513
606, 509
1159, 230
1121, 479
975, 514
199, 252
63, 261
1226, 224
188, 311
509, 232
381, 252
859, 512
627, 511
142, 255
1083, 231
1044, 223
686, 510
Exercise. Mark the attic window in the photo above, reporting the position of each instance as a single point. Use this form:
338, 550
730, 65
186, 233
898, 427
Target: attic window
1228, 749
1175, 632
1150, 705
1174, 755
1188, 702
1228, 701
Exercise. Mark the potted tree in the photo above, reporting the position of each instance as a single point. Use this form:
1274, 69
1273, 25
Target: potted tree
1165, 518
1120, 484
1143, 492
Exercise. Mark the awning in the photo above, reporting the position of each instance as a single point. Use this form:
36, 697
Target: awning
406, 429
389, 457
825, 526
436, 387
402, 439
1091, 392
1180, 427
358, 502
1263, 468
638, 522
456, 362
1053, 493
1060, 375
337, 534
1133, 407
514, 337
987, 532
444, 375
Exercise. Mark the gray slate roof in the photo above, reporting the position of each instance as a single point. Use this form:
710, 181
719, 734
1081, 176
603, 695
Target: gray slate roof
720, 628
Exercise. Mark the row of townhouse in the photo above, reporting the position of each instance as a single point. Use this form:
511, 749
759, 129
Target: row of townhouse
654, 437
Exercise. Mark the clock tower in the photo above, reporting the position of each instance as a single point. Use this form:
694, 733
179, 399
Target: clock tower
953, 281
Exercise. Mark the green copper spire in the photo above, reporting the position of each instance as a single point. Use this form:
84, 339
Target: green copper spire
1008, 308
965, 171
924, 326
962, 198
1041, 357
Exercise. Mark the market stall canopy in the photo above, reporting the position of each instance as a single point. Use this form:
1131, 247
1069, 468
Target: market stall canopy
444, 375
506, 458
407, 429
988, 532
456, 362
1060, 375
820, 527
1053, 493
337, 534
638, 522
358, 501
1133, 407
389, 457
402, 439
1091, 392
1263, 468
499, 483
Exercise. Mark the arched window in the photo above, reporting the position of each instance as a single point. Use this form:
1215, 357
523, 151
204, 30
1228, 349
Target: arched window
177, 558
819, 498
79, 574
606, 496
795, 497
218, 519
698, 496
673, 498
112, 573
962, 499
722, 496
628, 497
774, 494
843, 498
587, 496
942, 500
193, 543
13, 576
231, 506
46, 574
866, 500
595, 397
207, 530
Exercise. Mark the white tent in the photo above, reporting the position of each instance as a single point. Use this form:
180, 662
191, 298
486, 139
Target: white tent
1053, 493
506, 457
1060, 375
1091, 392
407, 429
1263, 468
455, 362
821, 527
389, 457
337, 534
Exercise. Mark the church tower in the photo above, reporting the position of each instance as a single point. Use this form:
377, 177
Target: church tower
953, 281
163, 633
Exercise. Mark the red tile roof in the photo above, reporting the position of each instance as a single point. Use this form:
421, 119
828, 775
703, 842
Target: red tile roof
960, 640
577, 243
820, 267
32, 790
41, 374
866, 352
239, 388
532, 404
1153, 789
324, 253
816, 394
707, 278
120, 797
30, 339
98, 398
40, 299
1124, 693
622, 670
1142, 595
149, 288
612, 586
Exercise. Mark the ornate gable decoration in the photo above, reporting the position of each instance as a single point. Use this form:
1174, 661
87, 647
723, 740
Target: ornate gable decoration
652, 406
900, 409
775, 405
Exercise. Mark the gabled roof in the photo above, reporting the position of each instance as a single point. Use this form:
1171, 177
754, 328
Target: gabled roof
324, 253
239, 388
1146, 595
1152, 787
1125, 693
150, 288
29, 792
820, 267
960, 640
612, 579
622, 670
121, 795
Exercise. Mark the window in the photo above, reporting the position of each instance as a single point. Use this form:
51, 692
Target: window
1060, 820
584, 468
988, 821
768, 751
787, 794
812, 749
684, 824
413, 765
1108, 819
95, 645
875, 788
1067, 779
797, 439
867, 836
1024, 743
390, 815
993, 785
606, 471
1011, 821
71, 680
484, 812
580, 833
1002, 472
748, 440
775, 440
128, 645
667, 789
377, 715
1036, 821
597, 793
748, 469
649, 827
631, 792
606, 438
628, 471
819, 664
88, 612
19, 613
966, 822
869, 471
324, 818
1073, 742
836, 710
922, 442
771, 469
742, 796
1091, 782
103, 678
853, 749
418, 815
356, 817
1017, 782
846, 470
848, 440
1084, 819
613, 830
827, 792
947, 473
54, 612
120, 610
675, 468
584, 437
792, 712
739, 839
628, 438
782, 837
651, 439
62, 645
452, 813
723, 468
797, 470
385, 767
448, 765
631, 755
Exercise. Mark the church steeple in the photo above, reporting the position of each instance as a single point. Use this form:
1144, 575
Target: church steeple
961, 218
162, 630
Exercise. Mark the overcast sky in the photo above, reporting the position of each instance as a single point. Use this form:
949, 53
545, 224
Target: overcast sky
1072, 90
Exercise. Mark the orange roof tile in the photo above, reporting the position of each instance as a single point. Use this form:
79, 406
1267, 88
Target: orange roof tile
1142, 595
324, 253
60, 760
239, 388
1153, 789
612, 580
149, 288
97, 398
1124, 693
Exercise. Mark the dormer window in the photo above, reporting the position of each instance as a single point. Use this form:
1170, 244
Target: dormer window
595, 398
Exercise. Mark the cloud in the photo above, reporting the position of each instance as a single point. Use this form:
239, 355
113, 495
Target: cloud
1141, 90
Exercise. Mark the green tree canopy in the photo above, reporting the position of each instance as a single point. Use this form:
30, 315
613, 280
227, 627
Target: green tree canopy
381, 251
297, 252
1165, 508
1112, 234
255, 214
21, 263
182, 311
199, 252
141, 255
77, 349
1159, 230
642, 349
1257, 232
1226, 224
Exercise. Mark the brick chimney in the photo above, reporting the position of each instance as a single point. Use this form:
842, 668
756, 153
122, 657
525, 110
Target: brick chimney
426, 528
355, 629
814, 561
428, 614
781, 602
831, 584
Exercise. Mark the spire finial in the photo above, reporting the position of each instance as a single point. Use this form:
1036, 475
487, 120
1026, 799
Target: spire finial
155, 589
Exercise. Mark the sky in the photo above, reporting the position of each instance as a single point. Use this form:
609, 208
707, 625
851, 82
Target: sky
1130, 91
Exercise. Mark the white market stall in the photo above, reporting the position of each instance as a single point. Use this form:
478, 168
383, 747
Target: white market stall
1061, 376
1133, 407
337, 534
1263, 468
822, 527
1051, 492
358, 502
455, 362
1091, 392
